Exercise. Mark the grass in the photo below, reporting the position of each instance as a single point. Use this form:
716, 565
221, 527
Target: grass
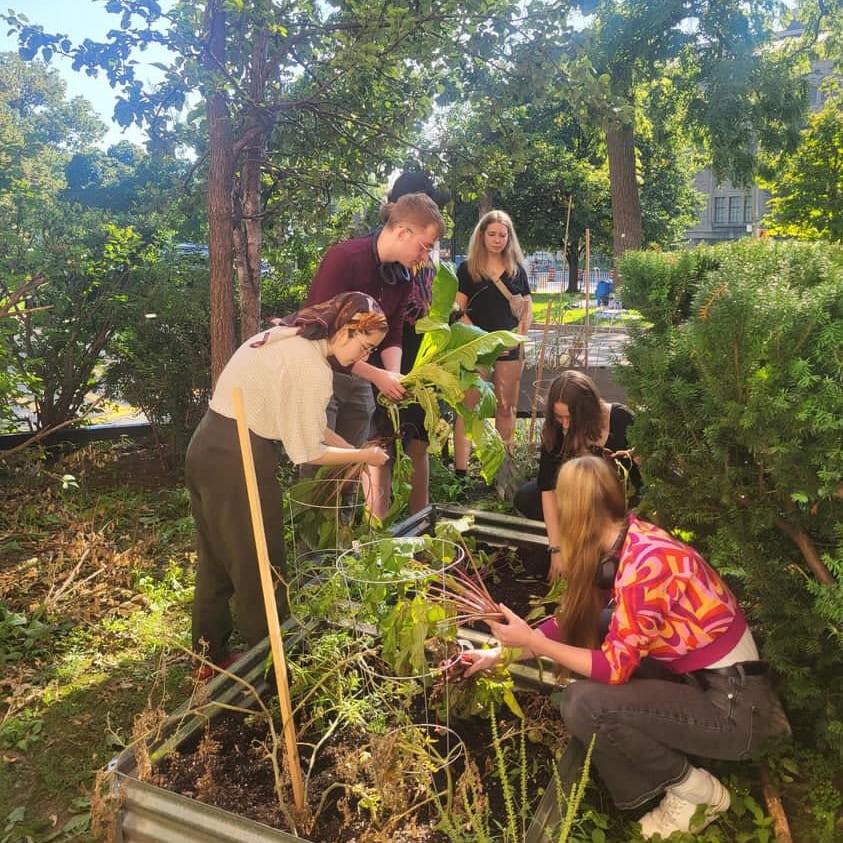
94, 593
563, 304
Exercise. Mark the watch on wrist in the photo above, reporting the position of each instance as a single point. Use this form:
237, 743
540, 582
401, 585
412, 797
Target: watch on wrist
552, 549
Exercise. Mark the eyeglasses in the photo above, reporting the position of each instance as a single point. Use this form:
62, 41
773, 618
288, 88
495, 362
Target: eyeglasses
427, 249
365, 347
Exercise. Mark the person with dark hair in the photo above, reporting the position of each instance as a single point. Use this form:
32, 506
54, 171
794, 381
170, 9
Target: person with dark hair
412, 431
669, 606
286, 383
378, 264
577, 421
489, 278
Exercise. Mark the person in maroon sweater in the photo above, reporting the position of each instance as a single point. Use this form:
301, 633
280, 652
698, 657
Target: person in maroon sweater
411, 418
379, 265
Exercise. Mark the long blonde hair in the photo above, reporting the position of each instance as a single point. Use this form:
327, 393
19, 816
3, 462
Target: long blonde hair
590, 499
477, 255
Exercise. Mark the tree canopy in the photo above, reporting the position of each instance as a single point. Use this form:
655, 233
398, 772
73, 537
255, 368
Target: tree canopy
290, 112
807, 190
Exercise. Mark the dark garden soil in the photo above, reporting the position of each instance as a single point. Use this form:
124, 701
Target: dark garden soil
230, 769
517, 577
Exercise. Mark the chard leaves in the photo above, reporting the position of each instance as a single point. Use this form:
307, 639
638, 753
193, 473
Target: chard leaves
448, 365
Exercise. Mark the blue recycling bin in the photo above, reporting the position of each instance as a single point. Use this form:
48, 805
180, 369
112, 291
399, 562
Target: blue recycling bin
603, 291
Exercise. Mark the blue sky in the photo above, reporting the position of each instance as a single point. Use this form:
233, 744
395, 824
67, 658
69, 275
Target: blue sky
79, 19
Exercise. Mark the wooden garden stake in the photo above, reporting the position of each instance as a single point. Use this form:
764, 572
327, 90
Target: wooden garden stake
775, 808
540, 367
539, 372
278, 660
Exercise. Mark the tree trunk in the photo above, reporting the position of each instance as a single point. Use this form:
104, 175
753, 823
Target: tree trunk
626, 205
220, 211
484, 205
248, 240
249, 235
573, 258
809, 551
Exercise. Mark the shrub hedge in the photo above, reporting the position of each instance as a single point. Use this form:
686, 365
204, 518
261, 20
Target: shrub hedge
738, 388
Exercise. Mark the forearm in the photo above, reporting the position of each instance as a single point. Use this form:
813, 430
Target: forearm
550, 511
392, 358
365, 370
575, 659
533, 644
339, 456
551, 516
333, 439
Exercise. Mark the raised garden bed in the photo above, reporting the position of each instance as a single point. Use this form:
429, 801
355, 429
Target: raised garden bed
149, 811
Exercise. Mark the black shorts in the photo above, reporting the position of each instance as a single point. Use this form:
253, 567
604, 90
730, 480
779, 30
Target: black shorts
513, 353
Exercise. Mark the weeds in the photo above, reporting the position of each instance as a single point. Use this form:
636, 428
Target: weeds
26, 638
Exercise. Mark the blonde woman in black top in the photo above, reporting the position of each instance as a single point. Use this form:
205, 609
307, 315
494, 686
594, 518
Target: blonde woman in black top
494, 255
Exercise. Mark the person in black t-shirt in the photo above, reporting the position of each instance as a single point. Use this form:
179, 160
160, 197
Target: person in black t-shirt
494, 254
577, 421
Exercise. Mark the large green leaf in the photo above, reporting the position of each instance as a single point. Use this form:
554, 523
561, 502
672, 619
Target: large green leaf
435, 326
447, 366
445, 287
467, 346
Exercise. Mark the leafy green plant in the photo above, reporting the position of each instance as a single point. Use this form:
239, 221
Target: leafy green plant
172, 323
447, 365
398, 560
21, 730
573, 800
326, 510
26, 638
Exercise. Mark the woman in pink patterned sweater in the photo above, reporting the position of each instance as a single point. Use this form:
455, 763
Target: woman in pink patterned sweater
713, 696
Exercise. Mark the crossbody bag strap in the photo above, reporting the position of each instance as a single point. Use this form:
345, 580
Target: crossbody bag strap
502, 288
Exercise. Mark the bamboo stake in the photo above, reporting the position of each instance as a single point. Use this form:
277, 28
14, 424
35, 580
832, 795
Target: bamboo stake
540, 367
278, 660
539, 372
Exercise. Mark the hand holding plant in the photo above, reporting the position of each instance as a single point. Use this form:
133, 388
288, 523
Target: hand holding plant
515, 632
481, 660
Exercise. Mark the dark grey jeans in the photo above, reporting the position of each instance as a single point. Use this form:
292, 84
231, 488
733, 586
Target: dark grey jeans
351, 408
645, 728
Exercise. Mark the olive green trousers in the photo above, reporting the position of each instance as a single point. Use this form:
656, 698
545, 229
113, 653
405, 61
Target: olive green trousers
226, 564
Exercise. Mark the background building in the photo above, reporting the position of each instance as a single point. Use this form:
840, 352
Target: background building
729, 212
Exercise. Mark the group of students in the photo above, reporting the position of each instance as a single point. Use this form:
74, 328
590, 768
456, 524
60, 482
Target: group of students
665, 663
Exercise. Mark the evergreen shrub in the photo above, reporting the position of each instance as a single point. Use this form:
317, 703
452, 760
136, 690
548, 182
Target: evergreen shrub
738, 388
660, 285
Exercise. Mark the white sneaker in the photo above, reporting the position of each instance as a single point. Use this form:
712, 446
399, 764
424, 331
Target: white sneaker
674, 813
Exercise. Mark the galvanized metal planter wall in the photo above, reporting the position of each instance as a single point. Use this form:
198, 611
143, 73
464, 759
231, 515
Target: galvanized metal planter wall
150, 814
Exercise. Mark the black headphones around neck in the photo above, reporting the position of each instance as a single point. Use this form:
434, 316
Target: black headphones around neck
391, 273
607, 567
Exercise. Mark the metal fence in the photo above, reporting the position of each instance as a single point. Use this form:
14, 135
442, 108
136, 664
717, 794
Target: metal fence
553, 278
